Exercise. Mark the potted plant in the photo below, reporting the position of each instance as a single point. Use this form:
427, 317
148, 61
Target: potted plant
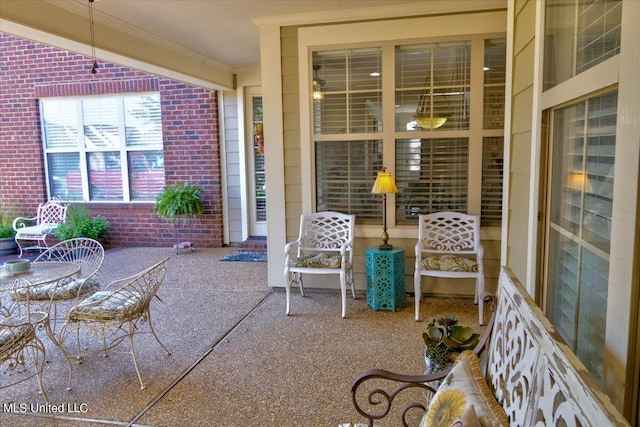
444, 340
8, 245
180, 202
79, 223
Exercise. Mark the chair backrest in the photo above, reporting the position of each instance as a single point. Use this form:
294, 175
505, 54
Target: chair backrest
87, 252
326, 231
51, 212
138, 290
449, 232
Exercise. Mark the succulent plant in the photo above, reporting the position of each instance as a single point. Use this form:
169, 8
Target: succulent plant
444, 336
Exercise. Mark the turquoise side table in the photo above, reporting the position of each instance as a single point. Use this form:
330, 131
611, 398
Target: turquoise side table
385, 278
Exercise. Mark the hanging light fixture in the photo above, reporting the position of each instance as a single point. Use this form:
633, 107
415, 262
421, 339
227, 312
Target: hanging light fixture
94, 67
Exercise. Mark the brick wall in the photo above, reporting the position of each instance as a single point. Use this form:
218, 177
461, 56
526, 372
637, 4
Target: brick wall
30, 70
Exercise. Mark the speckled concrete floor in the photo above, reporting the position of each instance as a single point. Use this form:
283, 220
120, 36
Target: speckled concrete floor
236, 359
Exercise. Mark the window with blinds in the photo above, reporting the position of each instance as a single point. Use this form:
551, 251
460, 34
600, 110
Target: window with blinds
579, 230
432, 86
432, 176
103, 148
430, 142
492, 163
346, 171
347, 100
595, 36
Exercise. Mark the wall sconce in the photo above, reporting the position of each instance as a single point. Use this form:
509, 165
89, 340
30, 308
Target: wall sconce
384, 185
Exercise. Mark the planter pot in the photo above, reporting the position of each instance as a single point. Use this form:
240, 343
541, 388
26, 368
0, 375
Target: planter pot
431, 366
8, 246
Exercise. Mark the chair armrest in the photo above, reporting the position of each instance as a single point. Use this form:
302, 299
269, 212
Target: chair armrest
21, 222
418, 252
387, 386
346, 248
290, 245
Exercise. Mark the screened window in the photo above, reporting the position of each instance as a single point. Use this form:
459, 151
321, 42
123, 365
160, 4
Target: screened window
103, 148
579, 231
579, 34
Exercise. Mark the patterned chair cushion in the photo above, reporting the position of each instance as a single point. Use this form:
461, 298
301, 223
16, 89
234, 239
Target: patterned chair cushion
115, 306
68, 288
318, 261
464, 385
13, 337
448, 263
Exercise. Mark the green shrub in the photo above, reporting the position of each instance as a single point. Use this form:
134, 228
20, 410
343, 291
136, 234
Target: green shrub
80, 224
6, 224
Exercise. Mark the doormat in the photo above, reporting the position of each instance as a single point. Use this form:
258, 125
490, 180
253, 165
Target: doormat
246, 256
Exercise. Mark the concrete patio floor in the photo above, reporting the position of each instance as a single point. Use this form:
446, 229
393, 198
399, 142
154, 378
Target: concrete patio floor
236, 360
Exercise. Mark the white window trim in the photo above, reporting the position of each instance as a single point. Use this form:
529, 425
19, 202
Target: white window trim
438, 28
622, 70
82, 151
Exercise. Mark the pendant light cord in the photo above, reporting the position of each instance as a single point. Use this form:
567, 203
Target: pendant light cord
94, 68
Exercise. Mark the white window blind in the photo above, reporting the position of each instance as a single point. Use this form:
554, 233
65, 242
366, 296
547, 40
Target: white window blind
347, 101
103, 148
346, 171
492, 167
595, 29
583, 158
431, 138
432, 176
432, 86
349, 91
494, 72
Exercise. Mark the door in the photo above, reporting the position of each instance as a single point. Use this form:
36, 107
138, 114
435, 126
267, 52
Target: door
257, 201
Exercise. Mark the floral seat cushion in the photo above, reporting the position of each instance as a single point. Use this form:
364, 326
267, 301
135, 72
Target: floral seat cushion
68, 288
449, 263
107, 305
318, 261
13, 337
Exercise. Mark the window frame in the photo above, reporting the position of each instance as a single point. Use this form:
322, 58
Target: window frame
83, 152
476, 133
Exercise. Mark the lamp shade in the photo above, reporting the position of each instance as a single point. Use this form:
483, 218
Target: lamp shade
384, 183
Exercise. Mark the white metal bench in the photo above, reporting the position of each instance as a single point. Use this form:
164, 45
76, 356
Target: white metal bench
36, 229
528, 371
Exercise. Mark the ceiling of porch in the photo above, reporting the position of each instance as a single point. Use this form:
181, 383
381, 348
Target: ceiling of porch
203, 42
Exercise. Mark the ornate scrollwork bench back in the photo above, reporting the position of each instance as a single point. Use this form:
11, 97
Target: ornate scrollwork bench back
533, 374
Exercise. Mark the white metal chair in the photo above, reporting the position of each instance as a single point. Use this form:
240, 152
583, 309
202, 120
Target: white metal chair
324, 246
36, 229
121, 310
88, 253
19, 343
449, 246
